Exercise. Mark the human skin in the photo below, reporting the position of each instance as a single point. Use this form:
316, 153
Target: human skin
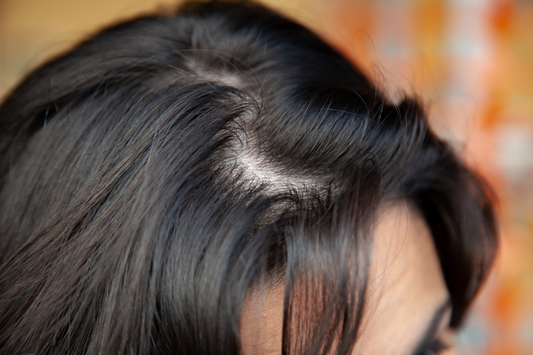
405, 292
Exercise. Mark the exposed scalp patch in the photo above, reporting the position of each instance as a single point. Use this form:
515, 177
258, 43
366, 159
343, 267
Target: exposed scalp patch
257, 168
222, 76
244, 158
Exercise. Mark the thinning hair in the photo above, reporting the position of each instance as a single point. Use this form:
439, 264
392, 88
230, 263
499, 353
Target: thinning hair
154, 174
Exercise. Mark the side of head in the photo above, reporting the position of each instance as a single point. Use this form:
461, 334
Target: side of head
156, 173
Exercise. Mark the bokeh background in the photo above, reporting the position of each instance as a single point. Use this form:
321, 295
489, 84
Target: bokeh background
470, 61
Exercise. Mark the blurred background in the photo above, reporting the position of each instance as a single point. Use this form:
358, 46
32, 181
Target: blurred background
470, 61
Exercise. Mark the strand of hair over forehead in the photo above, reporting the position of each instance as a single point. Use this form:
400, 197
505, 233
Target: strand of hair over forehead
158, 172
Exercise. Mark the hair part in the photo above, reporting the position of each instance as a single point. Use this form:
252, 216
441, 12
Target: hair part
154, 174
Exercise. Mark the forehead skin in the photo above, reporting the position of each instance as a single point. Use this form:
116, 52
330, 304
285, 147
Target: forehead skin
406, 287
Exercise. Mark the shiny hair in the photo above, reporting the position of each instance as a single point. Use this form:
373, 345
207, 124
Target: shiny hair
157, 172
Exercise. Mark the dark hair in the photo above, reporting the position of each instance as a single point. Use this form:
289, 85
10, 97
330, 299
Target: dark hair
154, 174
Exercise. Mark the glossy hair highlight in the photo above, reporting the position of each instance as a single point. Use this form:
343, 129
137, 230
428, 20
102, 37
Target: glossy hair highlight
154, 174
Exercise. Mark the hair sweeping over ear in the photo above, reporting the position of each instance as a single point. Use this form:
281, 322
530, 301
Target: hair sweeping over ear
154, 174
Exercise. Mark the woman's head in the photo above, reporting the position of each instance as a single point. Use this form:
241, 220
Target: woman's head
171, 171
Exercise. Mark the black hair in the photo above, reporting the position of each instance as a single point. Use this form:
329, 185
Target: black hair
154, 174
